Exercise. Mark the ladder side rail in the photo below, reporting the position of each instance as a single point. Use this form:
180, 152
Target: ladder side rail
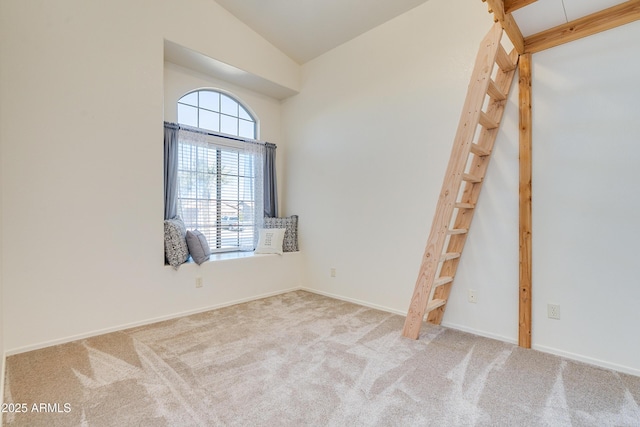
476, 93
471, 193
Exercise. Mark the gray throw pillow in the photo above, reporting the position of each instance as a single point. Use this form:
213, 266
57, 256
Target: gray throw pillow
290, 224
175, 242
198, 246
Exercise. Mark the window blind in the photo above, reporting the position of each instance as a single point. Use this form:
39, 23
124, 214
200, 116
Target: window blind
220, 189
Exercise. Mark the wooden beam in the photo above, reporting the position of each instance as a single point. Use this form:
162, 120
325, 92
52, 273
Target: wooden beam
511, 5
595, 23
507, 22
524, 334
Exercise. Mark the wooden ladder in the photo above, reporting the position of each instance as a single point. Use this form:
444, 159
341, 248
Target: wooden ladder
481, 115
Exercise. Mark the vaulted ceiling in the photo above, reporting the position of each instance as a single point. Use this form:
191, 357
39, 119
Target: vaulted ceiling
305, 29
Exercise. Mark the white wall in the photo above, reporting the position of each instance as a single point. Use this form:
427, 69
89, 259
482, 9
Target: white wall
491, 254
585, 197
369, 138
367, 142
82, 111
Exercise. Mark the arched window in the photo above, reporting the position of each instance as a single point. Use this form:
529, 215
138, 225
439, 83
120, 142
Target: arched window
218, 112
219, 178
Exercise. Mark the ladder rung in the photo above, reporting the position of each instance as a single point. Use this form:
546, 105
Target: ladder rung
442, 281
449, 256
457, 231
503, 60
435, 304
481, 109
471, 178
464, 206
479, 151
495, 92
486, 121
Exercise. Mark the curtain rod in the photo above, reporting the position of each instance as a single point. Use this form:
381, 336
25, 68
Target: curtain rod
220, 135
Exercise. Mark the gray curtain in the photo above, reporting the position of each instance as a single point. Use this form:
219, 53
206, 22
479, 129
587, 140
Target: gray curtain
170, 170
270, 184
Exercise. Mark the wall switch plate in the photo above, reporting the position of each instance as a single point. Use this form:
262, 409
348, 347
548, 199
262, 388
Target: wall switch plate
472, 296
198, 282
332, 271
553, 311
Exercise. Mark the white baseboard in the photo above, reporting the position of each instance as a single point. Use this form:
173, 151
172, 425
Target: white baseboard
543, 349
587, 360
479, 333
404, 314
551, 350
355, 301
142, 323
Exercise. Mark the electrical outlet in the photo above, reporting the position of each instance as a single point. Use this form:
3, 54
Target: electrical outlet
472, 296
198, 282
553, 311
332, 271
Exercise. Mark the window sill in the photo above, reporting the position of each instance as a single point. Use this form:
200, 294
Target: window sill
225, 256
221, 256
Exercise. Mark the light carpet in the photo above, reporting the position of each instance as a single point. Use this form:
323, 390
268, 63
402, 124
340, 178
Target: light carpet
301, 359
